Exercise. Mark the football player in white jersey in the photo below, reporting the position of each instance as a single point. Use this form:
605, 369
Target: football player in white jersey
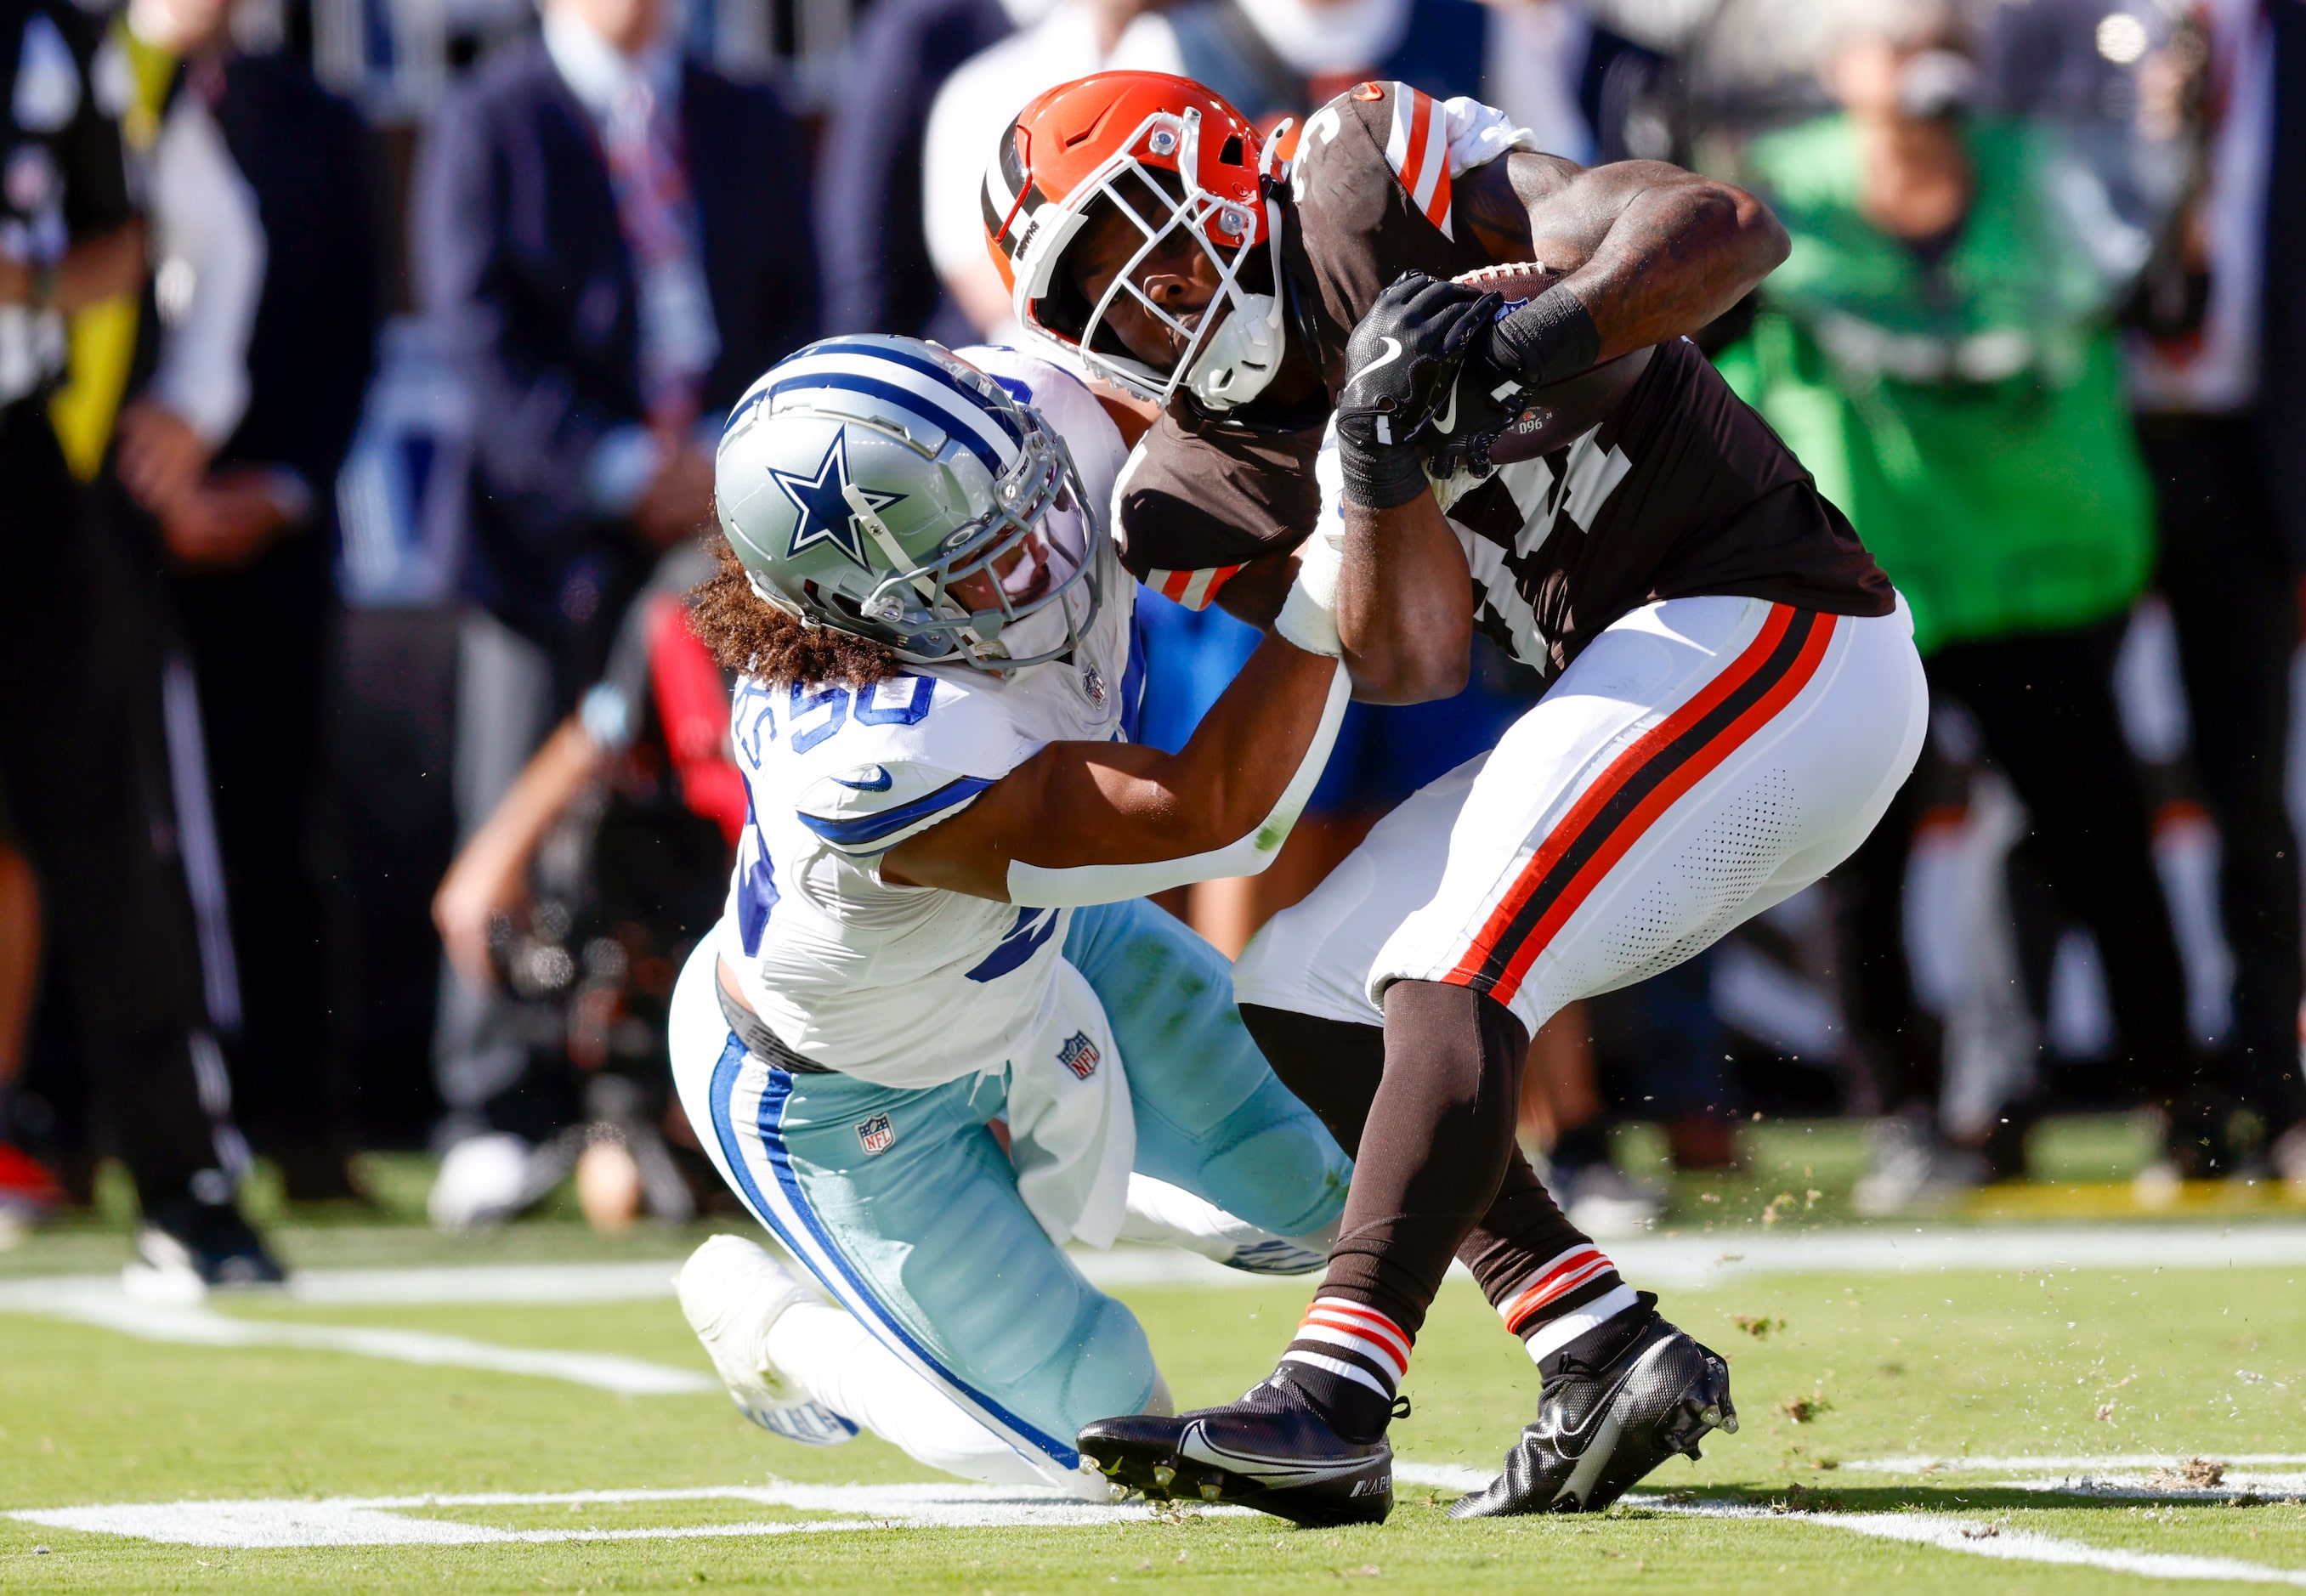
938, 1033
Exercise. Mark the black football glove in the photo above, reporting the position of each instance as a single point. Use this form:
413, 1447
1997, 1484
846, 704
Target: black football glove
1489, 406
1401, 364
1543, 341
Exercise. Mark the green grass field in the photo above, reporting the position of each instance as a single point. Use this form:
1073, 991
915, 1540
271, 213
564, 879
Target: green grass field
1908, 1427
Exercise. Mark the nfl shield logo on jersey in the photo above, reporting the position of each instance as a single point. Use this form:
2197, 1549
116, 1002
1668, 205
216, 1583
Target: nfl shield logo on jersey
875, 1134
1092, 681
1079, 1054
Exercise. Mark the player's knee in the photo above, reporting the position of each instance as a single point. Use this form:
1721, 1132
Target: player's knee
1273, 1163
1110, 1370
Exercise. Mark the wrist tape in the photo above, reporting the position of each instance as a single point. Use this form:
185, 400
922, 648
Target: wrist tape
1378, 476
1551, 337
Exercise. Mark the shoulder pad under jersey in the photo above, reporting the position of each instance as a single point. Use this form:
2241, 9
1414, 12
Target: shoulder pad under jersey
1422, 143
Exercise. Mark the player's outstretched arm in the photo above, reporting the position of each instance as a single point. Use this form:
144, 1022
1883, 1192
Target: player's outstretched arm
1650, 252
1097, 822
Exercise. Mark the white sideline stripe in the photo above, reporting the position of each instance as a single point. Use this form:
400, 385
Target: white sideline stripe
203, 1326
2243, 1482
374, 1521
1980, 1539
1656, 1260
1923, 1464
1975, 1537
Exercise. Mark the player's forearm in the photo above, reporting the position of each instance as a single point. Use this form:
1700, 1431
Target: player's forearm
1678, 256
1089, 822
545, 788
1633, 253
1404, 603
1232, 771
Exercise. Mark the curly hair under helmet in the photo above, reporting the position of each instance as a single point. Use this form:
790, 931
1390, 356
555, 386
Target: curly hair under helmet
745, 634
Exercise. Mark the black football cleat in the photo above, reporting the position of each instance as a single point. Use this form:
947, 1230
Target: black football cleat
185, 1249
1600, 1428
1269, 1451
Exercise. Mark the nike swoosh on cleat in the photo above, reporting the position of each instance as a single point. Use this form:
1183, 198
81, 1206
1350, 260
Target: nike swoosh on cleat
1392, 353
1610, 1401
882, 784
1195, 1445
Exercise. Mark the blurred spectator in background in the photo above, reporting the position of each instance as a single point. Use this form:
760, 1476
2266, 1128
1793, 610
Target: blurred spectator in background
1581, 88
260, 185
878, 276
583, 895
1075, 39
2218, 375
1933, 351
1277, 58
79, 673
616, 241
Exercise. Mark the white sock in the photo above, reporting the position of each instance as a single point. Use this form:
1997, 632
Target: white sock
846, 1369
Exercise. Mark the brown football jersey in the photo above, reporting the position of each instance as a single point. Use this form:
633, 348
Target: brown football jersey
1680, 489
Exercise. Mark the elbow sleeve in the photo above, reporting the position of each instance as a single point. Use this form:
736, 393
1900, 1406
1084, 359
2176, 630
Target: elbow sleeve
1039, 886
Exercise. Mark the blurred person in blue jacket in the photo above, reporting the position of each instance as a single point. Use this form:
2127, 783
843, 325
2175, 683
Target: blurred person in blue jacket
615, 240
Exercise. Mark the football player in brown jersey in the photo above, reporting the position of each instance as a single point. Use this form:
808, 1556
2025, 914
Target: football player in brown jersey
1519, 437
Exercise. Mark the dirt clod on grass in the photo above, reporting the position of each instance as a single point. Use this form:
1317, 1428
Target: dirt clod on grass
1803, 1410
2197, 1473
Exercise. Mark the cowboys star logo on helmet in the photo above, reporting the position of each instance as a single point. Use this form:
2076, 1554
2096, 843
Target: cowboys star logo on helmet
822, 499
882, 486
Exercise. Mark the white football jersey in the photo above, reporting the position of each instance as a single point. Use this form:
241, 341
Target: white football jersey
913, 986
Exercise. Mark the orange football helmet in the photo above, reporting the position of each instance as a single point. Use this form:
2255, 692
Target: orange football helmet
1199, 164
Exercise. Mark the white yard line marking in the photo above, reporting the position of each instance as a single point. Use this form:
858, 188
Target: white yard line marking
252, 1524
1448, 1476
203, 1326
2156, 1488
1979, 1539
1677, 1261
378, 1521
1889, 1250
2059, 1465
1976, 1537
389, 1521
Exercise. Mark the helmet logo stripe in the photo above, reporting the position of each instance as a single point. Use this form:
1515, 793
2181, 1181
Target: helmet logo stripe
936, 374
939, 404
902, 396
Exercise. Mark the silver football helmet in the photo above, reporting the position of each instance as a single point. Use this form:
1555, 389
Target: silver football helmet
883, 487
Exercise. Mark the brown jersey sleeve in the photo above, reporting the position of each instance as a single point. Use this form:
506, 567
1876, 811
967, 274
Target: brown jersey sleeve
1197, 502
1371, 191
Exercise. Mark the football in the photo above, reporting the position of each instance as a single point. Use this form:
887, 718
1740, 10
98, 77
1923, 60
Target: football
1552, 415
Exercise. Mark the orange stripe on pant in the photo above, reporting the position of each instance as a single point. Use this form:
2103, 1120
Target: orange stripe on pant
1660, 768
